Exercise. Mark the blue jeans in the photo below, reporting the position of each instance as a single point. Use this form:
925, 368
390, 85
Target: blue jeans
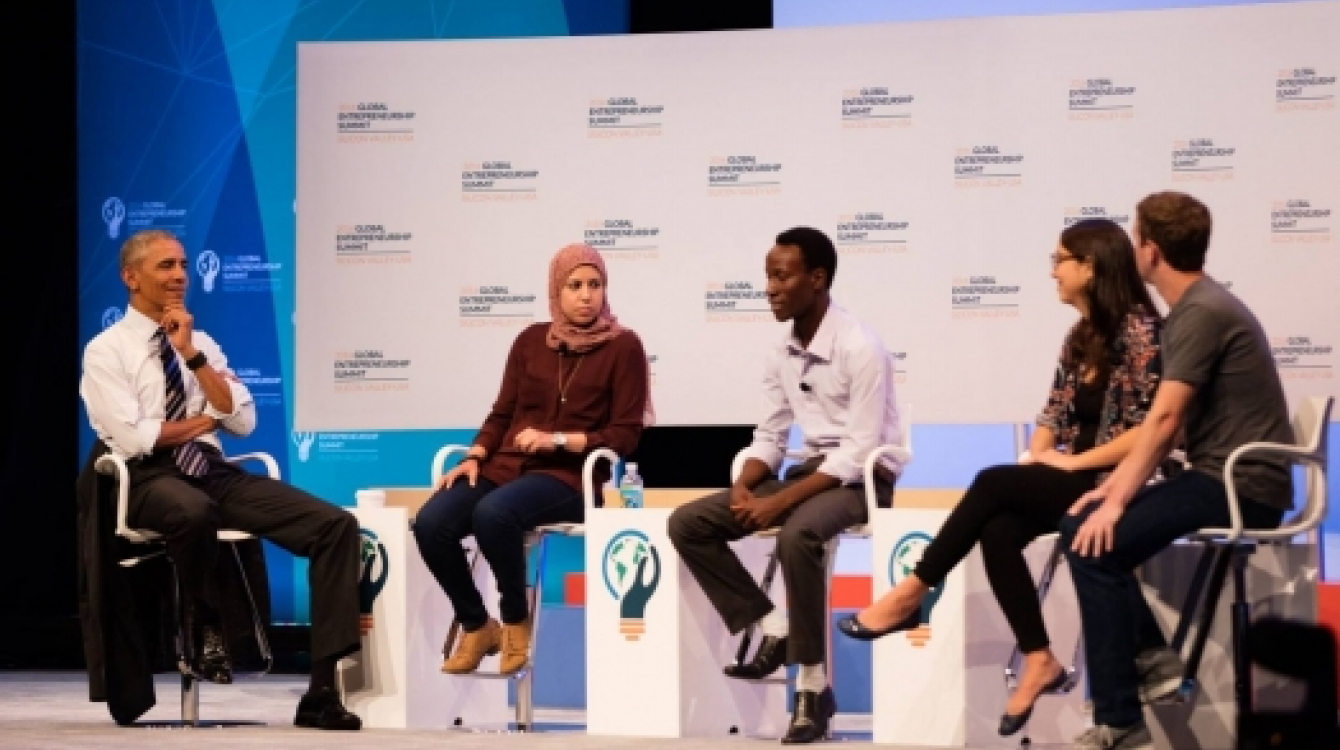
498, 517
1114, 613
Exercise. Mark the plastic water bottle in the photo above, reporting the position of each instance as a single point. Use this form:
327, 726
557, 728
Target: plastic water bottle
630, 488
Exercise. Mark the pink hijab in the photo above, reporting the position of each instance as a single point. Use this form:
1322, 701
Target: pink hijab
563, 333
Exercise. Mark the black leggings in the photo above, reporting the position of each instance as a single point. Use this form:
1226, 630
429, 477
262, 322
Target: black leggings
1006, 508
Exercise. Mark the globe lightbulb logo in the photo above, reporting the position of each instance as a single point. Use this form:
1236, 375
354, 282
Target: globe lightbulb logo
906, 554
631, 567
111, 316
373, 568
207, 265
113, 213
303, 441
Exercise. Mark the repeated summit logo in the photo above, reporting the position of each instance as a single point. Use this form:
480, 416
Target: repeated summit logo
631, 567
736, 302
983, 297
1303, 357
1300, 221
372, 244
903, 560
374, 122
871, 233
1074, 214
374, 567
129, 217
495, 305
266, 388
623, 117
623, 239
369, 370
1304, 90
341, 447
1099, 99
876, 107
498, 182
249, 272
743, 174
900, 367
1202, 160
988, 166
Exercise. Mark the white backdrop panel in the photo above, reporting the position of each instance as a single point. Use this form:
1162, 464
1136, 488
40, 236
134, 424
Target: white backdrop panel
943, 157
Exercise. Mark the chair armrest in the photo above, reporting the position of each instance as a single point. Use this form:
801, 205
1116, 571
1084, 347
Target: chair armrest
440, 461
113, 465
1295, 454
588, 473
271, 466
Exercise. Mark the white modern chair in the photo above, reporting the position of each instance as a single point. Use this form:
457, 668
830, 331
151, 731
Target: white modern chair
1232, 546
149, 544
536, 540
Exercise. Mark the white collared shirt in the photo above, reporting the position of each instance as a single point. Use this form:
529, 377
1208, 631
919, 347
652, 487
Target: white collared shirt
125, 391
846, 408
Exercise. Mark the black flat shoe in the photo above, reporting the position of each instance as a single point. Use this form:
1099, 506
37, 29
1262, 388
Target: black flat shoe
852, 627
323, 710
809, 720
769, 657
1011, 723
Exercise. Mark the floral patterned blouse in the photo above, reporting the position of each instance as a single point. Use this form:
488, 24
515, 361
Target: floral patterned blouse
1135, 376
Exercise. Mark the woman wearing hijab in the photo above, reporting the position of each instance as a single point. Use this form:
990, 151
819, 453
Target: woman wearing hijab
569, 387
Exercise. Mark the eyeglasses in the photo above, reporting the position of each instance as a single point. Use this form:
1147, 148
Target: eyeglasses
1059, 258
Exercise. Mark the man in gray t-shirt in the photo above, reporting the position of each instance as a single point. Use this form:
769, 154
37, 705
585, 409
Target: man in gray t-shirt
1212, 342
1220, 390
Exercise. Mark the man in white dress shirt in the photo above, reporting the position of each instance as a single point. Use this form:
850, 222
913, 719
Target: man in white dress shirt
830, 375
156, 391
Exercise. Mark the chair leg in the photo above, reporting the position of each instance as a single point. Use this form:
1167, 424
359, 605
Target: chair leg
769, 573
262, 642
1242, 665
525, 709
1193, 594
1044, 585
1209, 605
190, 700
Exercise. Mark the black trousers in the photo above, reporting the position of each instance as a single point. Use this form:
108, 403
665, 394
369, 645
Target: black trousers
701, 529
189, 511
1004, 509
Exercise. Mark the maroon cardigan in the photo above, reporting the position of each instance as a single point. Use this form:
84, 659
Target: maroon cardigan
606, 399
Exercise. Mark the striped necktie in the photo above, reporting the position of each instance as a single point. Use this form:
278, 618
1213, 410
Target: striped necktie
190, 458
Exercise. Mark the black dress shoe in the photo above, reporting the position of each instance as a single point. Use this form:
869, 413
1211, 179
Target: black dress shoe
323, 710
852, 627
1011, 723
215, 665
809, 720
769, 657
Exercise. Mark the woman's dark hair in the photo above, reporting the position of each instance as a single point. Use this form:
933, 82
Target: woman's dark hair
1113, 293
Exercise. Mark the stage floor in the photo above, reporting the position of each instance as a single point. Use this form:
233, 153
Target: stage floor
51, 711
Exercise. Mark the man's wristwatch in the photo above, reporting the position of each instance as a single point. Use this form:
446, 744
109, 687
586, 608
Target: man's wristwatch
560, 440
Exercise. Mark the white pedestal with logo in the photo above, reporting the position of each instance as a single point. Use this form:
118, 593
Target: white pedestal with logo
942, 685
655, 670
395, 681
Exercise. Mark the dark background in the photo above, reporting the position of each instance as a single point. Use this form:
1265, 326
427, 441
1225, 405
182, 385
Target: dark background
39, 377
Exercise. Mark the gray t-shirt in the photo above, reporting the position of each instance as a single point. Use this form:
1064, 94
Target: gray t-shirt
1213, 342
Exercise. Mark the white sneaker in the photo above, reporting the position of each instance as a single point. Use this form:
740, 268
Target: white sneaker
1160, 672
1102, 737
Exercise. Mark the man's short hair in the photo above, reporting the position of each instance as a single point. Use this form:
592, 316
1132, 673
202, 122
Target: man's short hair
815, 249
137, 244
1179, 224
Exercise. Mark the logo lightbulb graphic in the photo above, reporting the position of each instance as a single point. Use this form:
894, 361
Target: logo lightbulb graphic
372, 561
624, 566
113, 213
110, 317
906, 554
304, 440
207, 265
